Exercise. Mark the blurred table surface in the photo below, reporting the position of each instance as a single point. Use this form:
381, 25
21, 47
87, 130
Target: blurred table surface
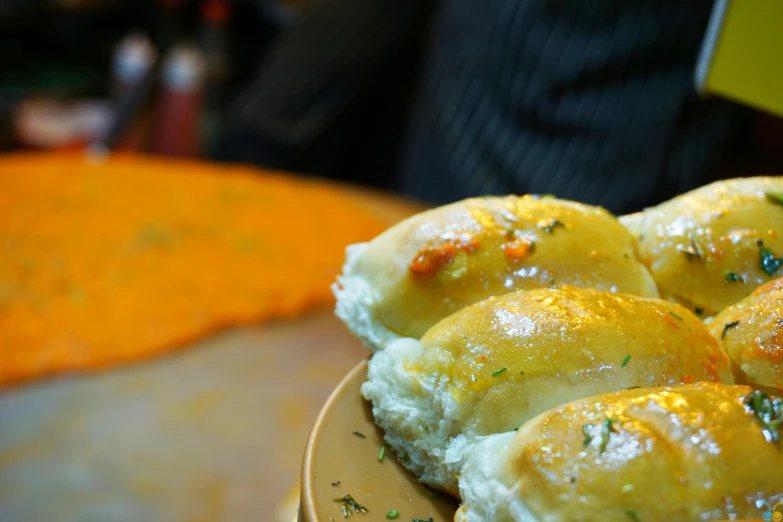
212, 433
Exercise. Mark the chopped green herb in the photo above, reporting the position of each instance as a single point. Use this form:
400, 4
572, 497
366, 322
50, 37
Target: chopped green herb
775, 198
780, 322
606, 430
632, 388
393, 513
422, 520
586, 429
692, 251
381, 454
625, 360
347, 503
336, 483
510, 233
360, 434
767, 260
549, 225
731, 277
552, 283
521, 373
516, 429
698, 310
675, 315
768, 410
498, 372
727, 326
572, 480
632, 515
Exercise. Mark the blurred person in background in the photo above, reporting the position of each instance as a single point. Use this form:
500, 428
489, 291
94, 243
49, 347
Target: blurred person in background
588, 100
332, 95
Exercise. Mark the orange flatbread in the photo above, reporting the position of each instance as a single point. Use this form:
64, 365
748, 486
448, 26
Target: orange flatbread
106, 263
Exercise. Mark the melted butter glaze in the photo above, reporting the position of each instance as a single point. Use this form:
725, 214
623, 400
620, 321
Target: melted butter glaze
420, 277
755, 342
508, 358
693, 243
665, 458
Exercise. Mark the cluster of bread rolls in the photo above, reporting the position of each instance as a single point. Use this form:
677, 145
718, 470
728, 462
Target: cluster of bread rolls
680, 453
524, 362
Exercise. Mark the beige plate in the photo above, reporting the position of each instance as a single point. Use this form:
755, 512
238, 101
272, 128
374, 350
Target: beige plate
334, 453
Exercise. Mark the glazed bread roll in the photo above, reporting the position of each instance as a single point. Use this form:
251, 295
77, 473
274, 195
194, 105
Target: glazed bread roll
491, 366
751, 332
683, 453
711, 247
435, 263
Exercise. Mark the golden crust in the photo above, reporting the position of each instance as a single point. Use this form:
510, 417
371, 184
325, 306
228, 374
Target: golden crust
510, 357
775, 285
671, 454
751, 332
440, 261
703, 247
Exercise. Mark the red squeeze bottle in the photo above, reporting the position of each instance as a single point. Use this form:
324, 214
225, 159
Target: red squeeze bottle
178, 123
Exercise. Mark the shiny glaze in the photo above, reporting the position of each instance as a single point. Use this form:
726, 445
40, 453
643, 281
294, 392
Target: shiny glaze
570, 343
682, 453
775, 285
421, 272
692, 242
755, 343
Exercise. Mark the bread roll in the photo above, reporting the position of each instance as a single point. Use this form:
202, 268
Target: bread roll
683, 453
491, 366
431, 265
711, 247
751, 332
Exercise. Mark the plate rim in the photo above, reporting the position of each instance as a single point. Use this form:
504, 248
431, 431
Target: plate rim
306, 503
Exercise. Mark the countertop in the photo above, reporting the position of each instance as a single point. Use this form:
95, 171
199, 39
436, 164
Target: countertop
211, 433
